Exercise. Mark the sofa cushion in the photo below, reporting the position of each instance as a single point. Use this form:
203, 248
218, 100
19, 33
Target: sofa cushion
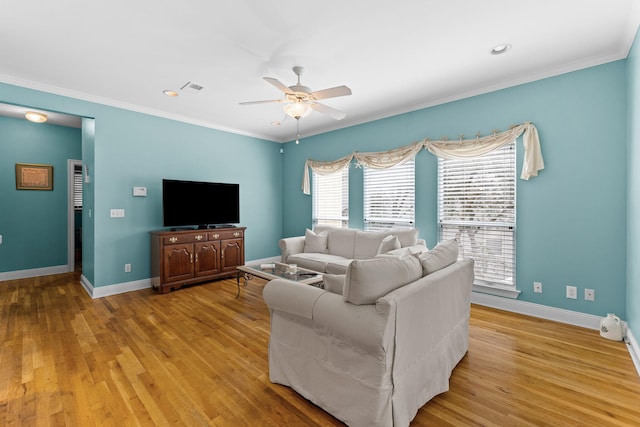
315, 242
369, 279
388, 244
443, 255
367, 244
334, 283
408, 237
313, 261
338, 266
341, 242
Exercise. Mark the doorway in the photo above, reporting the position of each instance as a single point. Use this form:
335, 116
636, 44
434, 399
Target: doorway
74, 220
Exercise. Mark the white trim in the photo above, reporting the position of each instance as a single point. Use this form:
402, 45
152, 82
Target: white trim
136, 285
634, 349
33, 272
264, 260
118, 288
500, 291
584, 320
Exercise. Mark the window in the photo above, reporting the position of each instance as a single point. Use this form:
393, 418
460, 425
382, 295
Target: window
77, 187
477, 207
389, 197
330, 201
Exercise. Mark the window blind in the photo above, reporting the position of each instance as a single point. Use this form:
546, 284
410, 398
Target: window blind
477, 207
389, 197
330, 200
77, 187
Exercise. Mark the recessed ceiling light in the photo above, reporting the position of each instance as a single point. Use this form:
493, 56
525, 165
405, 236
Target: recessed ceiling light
169, 92
35, 117
500, 48
276, 123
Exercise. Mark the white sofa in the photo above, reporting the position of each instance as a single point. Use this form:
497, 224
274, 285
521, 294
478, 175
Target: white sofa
377, 353
331, 249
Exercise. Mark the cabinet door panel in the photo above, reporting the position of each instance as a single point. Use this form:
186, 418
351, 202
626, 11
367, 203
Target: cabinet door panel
178, 262
207, 258
232, 254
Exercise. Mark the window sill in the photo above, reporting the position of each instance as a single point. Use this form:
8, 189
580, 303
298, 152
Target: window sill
500, 291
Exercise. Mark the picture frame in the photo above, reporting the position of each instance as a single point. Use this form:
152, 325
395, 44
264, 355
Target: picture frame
34, 177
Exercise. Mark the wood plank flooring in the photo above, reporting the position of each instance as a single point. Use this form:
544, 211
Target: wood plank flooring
198, 357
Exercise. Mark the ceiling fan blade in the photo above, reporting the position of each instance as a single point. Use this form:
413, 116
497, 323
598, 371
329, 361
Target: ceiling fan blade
261, 102
331, 112
277, 83
331, 92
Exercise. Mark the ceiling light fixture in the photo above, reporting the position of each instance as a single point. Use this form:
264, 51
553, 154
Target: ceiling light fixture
500, 49
297, 109
171, 93
36, 117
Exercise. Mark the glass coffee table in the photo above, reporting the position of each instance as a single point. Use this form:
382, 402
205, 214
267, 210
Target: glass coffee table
278, 271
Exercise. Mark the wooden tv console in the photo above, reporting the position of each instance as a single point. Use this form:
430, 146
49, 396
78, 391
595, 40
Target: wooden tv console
185, 257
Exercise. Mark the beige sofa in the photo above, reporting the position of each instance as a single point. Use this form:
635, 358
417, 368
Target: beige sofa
331, 249
377, 343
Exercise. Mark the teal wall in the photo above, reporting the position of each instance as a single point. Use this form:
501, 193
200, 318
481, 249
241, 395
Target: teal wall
33, 223
633, 218
124, 149
571, 219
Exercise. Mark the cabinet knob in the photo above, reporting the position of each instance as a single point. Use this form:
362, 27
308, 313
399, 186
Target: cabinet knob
173, 239
199, 237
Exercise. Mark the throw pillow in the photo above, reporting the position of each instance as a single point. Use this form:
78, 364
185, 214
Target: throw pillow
334, 283
389, 243
315, 243
407, 237
370, 279
443, 255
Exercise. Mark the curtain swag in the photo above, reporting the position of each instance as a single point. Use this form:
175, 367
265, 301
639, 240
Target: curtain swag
447, 149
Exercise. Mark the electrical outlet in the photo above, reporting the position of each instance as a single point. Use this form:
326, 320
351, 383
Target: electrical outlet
127, 268
537, 287
117, 213
589, 295
572, 292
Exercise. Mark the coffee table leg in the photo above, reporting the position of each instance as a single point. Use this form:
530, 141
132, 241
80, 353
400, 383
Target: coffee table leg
246, 276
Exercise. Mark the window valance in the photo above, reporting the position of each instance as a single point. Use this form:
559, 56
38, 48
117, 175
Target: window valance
448, 149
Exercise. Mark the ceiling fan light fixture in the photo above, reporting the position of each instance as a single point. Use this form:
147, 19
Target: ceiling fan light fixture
297, 110
36, 117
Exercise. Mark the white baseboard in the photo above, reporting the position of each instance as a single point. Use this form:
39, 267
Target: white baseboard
118, 288
538, 310
264, 260
34, 272
634, 349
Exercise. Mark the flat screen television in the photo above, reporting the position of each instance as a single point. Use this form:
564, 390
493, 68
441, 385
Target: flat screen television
202, 204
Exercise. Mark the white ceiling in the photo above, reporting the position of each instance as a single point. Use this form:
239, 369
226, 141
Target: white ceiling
395, 55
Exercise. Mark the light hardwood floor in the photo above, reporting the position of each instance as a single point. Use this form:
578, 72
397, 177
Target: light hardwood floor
198, 356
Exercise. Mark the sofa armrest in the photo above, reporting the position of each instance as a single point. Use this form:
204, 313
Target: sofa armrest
291, 246
291, 297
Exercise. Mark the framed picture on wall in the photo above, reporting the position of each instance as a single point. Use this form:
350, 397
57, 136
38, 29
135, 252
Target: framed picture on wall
34, 177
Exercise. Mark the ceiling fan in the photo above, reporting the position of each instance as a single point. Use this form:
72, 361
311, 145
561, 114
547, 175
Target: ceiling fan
299, 101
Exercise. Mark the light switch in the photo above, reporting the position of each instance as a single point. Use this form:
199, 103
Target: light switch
140, 191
